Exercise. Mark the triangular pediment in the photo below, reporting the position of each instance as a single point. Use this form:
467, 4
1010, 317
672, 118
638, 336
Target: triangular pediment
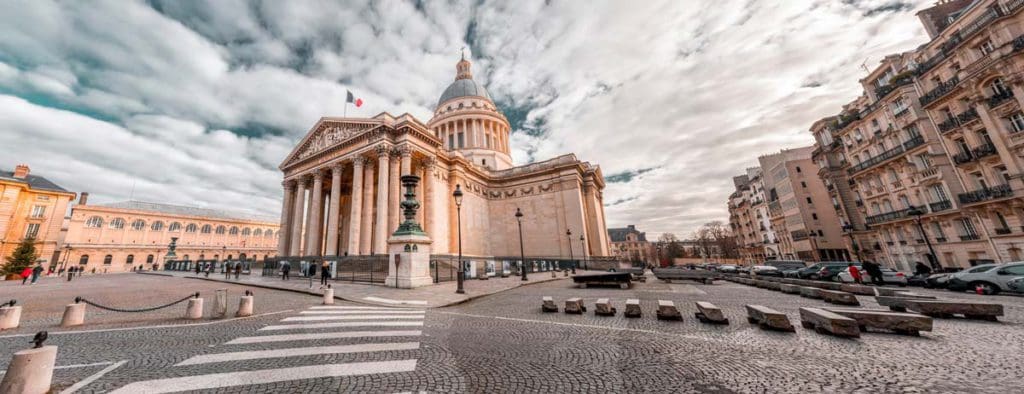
327, 133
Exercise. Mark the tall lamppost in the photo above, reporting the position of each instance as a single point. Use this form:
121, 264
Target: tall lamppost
583, 253
917, 213
568, 237
67, 255
848, 228
522, 250
460, 276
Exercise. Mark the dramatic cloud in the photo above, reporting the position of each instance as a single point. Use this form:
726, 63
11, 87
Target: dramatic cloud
198, 102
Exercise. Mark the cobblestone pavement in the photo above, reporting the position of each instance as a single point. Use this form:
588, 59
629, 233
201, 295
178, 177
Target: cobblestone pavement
504, 343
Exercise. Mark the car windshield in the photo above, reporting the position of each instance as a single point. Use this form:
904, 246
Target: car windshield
980, 269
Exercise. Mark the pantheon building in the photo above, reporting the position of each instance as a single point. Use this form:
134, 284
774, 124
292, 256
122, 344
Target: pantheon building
342, 189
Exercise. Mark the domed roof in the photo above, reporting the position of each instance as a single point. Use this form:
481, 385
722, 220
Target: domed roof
463, 88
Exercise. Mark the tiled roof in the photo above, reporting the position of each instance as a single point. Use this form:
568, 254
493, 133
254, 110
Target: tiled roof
619, 234
34, 181
182, 210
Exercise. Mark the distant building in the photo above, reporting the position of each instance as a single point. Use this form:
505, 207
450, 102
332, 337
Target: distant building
31, 206
630, 244
120, 236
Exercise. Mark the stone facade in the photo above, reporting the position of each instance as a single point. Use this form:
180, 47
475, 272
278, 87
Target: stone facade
118, 237
341, 185
31, 205
749, 219
631, 245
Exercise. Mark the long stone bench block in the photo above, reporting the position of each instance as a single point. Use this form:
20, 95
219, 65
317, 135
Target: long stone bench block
768, 319
901, 323
839, 297
709, 313
823, 321
667, 311
810, 292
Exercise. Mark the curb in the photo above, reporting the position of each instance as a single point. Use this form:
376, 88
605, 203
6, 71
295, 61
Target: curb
308, 292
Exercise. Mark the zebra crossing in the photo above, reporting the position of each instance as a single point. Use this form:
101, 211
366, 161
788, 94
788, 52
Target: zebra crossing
339, 323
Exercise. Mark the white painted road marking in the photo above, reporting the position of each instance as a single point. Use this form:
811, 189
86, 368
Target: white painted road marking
345, 324
299, 351
376, 308
92, 378
229, 379
328, 335
362, 312
351, 317
395, 302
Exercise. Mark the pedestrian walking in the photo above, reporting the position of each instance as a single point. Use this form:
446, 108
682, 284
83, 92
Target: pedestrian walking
198, 268
854, 273
922, 270
238, 269
285, 269
209, 268
25, 273
325, 273
71, 273
38, 270
227, 270
874, 272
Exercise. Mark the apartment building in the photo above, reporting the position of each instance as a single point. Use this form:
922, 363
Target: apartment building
749, 219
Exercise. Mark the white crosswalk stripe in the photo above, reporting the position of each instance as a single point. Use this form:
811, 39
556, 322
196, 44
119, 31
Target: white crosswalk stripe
336, 323
307, 326
327, 335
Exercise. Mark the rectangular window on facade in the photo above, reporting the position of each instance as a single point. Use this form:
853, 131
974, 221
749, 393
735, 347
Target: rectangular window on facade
1004, 175
32, 230
451, 141
462, 140
968, 227
809, 200
938, 193
38, 211
937, 230
986, 47
1017, 122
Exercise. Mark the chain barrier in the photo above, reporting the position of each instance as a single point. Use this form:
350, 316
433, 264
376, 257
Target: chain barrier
81, 299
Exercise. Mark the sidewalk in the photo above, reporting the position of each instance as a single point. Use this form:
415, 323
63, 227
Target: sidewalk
433, 296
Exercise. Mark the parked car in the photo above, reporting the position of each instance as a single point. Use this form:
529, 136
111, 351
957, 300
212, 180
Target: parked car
765, 270
889, 276
1016, 284
727, 269
823, 271
743, 269
787, 266
991, 278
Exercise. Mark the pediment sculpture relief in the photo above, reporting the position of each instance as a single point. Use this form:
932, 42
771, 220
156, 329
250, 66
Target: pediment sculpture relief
331, 136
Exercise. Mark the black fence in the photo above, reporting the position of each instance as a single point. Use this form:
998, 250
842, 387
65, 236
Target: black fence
219, 266
369, 269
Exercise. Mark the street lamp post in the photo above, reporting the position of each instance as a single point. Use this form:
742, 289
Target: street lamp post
917, 213
583, 253
67, 255
848, 228
522, 250
568, 236
460, 276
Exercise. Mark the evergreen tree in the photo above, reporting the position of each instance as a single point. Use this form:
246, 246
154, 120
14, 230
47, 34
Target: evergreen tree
22, 257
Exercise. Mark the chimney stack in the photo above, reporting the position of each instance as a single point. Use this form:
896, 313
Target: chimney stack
83, 198
21, 171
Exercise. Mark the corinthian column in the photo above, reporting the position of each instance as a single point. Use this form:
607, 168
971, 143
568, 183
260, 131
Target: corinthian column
286, 207
428, 197
334, 212
380, 238
355, 218
366, 233
296, 222
394, 190
314, 235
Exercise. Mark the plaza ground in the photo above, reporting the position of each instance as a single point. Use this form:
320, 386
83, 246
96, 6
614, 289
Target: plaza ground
504, 343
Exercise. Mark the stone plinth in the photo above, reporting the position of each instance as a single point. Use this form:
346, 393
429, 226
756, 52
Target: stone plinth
408, 261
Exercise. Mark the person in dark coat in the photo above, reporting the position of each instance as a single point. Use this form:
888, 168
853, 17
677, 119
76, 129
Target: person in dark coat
38, 270
285, 269
238, 269
227, 270
920, 269
325, 273
874, 271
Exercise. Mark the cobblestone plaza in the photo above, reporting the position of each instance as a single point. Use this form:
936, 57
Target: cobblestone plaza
501, 343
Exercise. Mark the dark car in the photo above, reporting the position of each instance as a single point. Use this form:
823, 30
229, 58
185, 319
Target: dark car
787, 268
823, 271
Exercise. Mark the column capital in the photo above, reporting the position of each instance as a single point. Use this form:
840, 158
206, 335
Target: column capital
358, 161
337, 167
307, 179
405, 151
382, 150
428, 163
289, 184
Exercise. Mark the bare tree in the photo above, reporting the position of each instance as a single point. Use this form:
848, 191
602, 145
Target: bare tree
670, 248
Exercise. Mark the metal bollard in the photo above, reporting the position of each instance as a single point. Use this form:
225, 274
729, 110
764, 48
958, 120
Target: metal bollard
220, 303
31, 370
194, 310
328, 296
10, 315
245, 305
74, 315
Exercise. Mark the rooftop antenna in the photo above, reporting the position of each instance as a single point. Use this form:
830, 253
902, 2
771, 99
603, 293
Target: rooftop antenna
865, 65
131, 195
463, 52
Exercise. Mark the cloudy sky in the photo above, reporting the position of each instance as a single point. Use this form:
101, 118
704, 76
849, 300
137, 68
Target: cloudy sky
197, 102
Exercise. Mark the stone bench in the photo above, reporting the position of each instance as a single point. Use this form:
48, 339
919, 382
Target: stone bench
633, 308
709, 313
901, 323
670, 274
898, 303
858, 289
575, 306
944, 309
768, 319
890, 292
839, 297
773, 286
622, 279
826, 285
667, 311
603, 307
789, 289
810, 292
823, 321
548, 305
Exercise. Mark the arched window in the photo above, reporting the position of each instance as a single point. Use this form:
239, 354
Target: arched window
94, 222
130, 259
157, 226
202, 256
117, 223
191, 228
83, 260
207, 229
138, 224
269, 233
149, 259
185, 257
175, 226
258, 232
241, 256
246, 232
221, 230
107, 259
234, 230
229, 257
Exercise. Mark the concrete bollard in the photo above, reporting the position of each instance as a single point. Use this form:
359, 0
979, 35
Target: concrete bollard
74, 315
220, 303
10, 317
244, 306
30, 371
328, 296
195, 309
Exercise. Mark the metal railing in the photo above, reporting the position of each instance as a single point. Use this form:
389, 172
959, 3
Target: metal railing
889, 154
940, 206
999, 98
985, 194
939, 91
888, 216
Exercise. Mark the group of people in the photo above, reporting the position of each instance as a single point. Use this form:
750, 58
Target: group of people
32, 272
871, 268
325, 271
229, 268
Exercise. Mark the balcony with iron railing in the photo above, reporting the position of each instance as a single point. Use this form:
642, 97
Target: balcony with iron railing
882, 157
986, 194
969, 237
939, 91
963, 158
963, 118
888, 216
1002, 231
984, 150
1000, 98
914, 142
940, 206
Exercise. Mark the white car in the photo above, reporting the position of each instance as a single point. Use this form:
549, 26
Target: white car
1016, 284
765, 270
990, 278
889, 277
727, 268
